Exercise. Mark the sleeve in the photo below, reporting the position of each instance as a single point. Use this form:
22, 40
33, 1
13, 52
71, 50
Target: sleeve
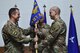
54, 32
41, 46
16, 34
28, 31
42, 33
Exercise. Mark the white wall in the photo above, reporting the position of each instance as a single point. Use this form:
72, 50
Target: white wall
26, 7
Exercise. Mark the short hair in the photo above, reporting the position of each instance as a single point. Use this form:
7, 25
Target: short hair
11, 11
57, 9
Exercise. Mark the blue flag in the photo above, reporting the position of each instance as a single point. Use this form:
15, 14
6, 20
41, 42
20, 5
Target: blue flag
36, 14
45, 21
73, 46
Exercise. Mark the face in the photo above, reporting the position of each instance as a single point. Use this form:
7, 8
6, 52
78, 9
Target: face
16, 16
52, 13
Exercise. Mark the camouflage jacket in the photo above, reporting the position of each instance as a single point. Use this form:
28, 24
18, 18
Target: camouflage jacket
14, 38
41, 37
56, 38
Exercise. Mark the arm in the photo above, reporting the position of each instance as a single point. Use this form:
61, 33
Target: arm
43, 31
17, 34
54, 32
27, 31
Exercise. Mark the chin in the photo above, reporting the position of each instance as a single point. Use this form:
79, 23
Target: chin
17, 20
51, 18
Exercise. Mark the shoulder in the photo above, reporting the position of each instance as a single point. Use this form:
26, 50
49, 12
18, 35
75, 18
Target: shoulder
8, 26
62, 23
55, 24
5, 27
59, 22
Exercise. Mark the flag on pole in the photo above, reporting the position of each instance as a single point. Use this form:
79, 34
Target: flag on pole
36, 14
73, 46
45, 21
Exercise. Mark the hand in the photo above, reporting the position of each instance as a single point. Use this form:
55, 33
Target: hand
36, 46
36, 39
44, 31
36, 30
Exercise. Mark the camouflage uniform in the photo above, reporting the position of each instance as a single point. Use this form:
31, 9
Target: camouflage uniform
41, 38
13, 37
56, 38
